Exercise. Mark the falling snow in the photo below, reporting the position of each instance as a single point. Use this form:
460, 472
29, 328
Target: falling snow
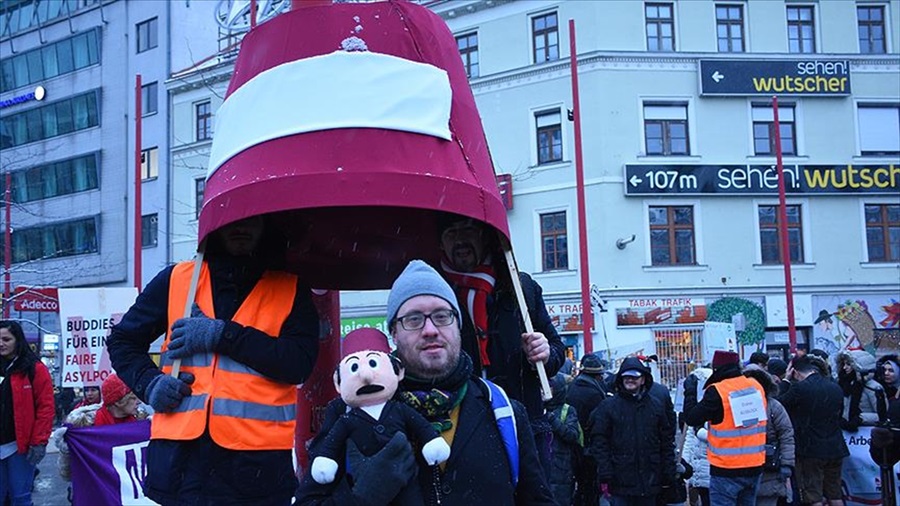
358, 28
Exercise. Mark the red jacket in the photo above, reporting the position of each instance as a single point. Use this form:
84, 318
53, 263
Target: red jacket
32, 406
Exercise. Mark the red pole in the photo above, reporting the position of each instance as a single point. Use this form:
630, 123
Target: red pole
138, 253
7, 244
783, 231
318, 389
253, 14
587, 312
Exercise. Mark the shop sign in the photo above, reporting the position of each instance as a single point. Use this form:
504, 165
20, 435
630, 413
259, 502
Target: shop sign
678, 180
661, 311
38, 94
350, 324
775, 77
566, 317
36, 299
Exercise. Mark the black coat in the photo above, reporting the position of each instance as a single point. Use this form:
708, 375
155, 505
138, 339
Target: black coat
370, 435
585, 394
509, 368
477, 472
633, 441
815, 406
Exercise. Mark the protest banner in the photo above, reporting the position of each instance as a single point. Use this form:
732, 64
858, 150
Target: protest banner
109, 464
861, 477
86, 317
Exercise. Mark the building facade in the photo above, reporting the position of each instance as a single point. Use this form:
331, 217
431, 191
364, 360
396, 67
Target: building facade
678, 152
67, 142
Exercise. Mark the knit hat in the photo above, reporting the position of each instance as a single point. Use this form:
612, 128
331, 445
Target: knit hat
113, 389
722, 358
419, 278
364, 339
776, 367
592, 364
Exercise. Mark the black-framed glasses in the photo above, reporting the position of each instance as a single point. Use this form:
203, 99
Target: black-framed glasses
416, 320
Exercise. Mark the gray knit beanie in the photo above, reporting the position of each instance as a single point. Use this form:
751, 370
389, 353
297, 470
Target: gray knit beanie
419, 278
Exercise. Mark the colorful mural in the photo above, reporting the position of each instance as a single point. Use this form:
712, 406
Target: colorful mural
867, 322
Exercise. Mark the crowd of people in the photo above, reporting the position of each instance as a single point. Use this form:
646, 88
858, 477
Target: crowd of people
465, 363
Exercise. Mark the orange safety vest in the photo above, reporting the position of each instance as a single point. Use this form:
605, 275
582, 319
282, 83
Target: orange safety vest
246, 410
732, 446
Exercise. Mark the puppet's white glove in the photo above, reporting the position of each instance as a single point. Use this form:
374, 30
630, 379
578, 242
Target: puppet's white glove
436, 451
323, 470
702, 434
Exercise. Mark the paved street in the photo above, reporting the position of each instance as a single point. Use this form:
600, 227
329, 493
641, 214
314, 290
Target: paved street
50, 489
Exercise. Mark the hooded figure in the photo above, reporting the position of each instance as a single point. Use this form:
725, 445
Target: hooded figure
632, 439
864, 399
887, 372
568, 440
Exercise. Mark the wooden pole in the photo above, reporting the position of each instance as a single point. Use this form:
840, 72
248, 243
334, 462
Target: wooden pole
192, 294
546, 393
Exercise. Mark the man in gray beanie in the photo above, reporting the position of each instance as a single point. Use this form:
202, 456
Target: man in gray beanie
493, 457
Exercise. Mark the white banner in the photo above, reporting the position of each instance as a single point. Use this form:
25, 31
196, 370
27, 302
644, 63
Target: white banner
86, 316
861, 476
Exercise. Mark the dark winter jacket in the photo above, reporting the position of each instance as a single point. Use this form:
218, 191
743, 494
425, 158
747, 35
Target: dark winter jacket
585, 394
370, 435
632, 440
864, 399
288, 359
815, 406
29, 398
567, 444
477, 472
509, 368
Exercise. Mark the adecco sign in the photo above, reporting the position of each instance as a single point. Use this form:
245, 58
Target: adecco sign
36, 299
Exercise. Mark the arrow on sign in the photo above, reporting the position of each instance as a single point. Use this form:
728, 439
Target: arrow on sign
717, 76
635, 180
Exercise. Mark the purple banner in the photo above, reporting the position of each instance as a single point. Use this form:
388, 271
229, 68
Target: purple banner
109, 463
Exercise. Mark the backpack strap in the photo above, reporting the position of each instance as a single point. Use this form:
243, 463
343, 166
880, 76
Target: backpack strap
506, 423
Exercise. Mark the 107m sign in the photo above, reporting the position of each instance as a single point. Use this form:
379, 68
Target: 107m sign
666, 180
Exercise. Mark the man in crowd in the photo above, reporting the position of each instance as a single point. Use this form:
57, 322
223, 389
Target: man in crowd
736, 451
759, 358
224, 429
492, 455
633, 439
585, 394
492, 330
815, 404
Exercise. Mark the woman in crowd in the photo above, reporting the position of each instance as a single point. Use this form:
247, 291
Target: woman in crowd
864, 399
26, 414
120, 405
887, 372
90, 395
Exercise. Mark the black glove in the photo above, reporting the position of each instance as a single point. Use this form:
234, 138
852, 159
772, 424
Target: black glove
36, 454
785, 472
379, 478
164, 393
881, 438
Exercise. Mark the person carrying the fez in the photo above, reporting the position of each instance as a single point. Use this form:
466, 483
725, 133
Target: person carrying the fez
223, 431
493, 333
492, 461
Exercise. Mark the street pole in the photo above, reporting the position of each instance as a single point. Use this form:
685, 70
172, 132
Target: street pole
587, 311
7, 244
783, 231
138, 250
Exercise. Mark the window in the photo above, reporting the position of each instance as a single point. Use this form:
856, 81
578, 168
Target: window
199, 190
76, 237
149, 230
801, 29
204, 121
468, 50
730, 28
146, 35
879, 129
666, 129
660, 27
770, 237
57, 178
764, 130
545, 32
672, 235
883, 232
149, 164
20, 15
870, 21
549, 136
149, 98
554, 247
57, 118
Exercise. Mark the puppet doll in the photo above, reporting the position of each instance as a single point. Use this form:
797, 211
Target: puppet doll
367, 378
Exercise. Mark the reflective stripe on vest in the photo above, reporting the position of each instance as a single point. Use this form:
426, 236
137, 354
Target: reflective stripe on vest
245, 409
732, 446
